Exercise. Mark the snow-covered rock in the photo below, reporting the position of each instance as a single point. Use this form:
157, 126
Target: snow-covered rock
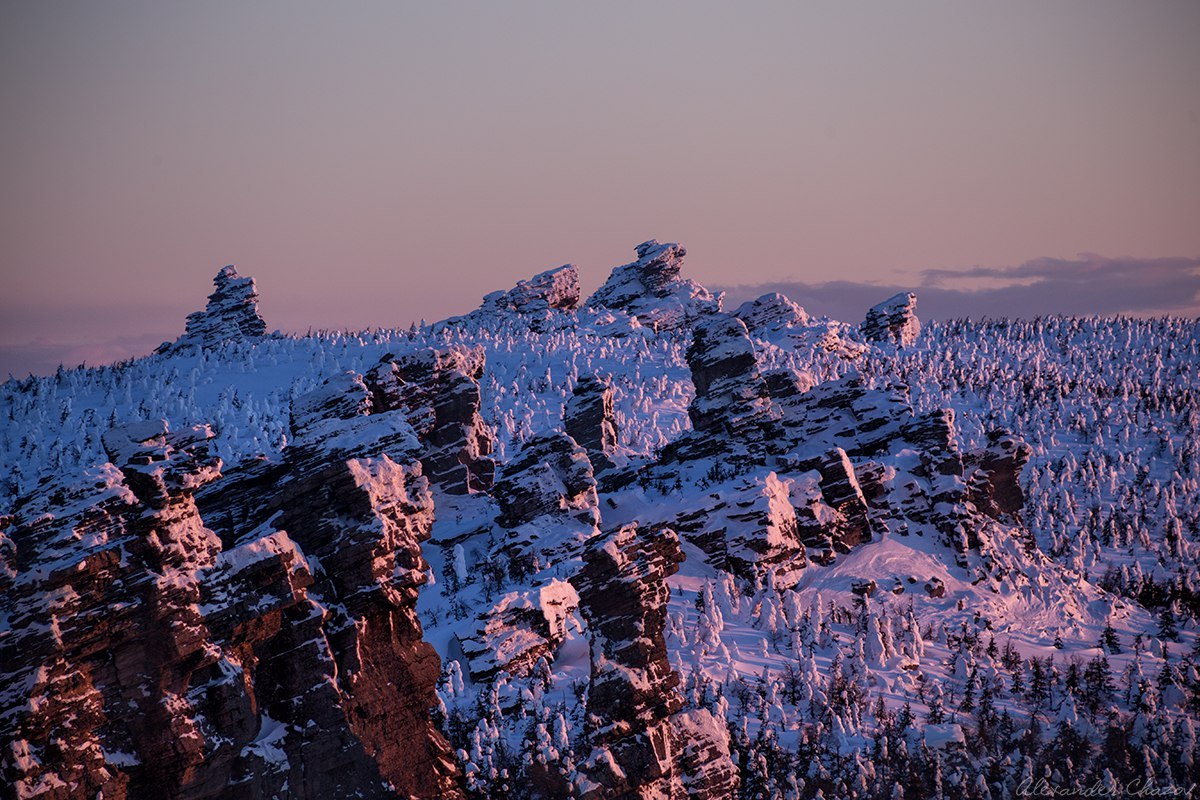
652, 290
894, 320
589, 419
231, 314
885, 547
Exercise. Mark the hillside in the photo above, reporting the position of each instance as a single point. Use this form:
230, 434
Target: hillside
630, 545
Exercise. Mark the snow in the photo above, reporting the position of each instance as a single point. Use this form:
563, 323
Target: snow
267, 741
1108, 406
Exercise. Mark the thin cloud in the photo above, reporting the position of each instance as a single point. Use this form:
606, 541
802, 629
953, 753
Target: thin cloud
1088, 285
43, 357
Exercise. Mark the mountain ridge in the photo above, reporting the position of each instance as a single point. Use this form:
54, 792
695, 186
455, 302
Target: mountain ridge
813, 526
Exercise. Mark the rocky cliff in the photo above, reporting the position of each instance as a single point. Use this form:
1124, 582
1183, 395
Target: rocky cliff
152, 657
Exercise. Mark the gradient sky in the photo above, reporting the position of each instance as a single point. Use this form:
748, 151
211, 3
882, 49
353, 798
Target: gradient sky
374, 163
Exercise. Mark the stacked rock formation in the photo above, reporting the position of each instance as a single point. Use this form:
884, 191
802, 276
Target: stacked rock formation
732, 401
894, 320
589, 419
231, 314
644, 747
651, 289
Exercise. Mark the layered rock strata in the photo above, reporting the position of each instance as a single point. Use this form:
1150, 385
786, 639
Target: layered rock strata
893, 321
231, 314
643, 745
652, 290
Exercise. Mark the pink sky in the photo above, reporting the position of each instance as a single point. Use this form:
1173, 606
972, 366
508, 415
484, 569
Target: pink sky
375, 163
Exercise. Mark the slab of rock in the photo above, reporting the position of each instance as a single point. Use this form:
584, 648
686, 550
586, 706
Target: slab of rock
643, 747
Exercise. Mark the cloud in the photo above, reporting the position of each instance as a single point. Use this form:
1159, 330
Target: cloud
1087, 285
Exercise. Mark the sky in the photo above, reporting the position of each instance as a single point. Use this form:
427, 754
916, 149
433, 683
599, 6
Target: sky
371, 164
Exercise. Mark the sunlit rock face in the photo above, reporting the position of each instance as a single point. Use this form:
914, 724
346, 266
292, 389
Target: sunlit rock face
652, 290
231, 315
644, 745
153, 657
893, 321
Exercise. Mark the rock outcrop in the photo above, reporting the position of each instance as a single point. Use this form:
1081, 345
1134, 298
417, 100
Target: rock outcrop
548, 502
840, 489
553, 289
750, 531
994, 474
231, 314
538, 302
522, 627
775, 319
643, 747
732, 403
588, 418
771, 312
438, 392
153, 658
893, 321
652, 290
857, 462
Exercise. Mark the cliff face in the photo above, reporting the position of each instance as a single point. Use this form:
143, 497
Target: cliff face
151, 659
644, 745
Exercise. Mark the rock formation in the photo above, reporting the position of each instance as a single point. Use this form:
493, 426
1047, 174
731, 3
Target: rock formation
539, 301
589, 419
751, 531
771, 312
893, 321
438, 392
548, 502
651, 289
231, 314
732, 404
553, 289
643, 747
152, 660
994, 474
839, 487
